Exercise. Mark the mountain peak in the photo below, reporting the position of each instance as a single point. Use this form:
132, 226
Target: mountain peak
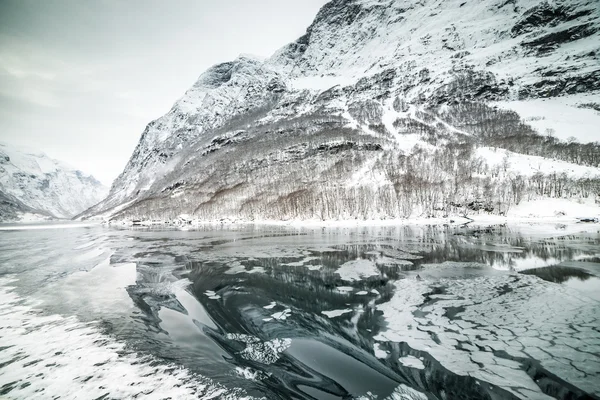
32, 182
372, 79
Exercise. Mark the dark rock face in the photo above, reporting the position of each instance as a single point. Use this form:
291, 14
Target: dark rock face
470, 85
341, 147
367, 111
218, 75
547, 14
10, 207
547, 43
560, 85
276, 86
339, 12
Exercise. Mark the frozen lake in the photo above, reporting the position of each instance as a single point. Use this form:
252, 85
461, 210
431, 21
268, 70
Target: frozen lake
408, 312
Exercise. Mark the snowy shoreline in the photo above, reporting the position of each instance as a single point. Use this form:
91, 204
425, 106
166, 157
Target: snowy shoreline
536, 212
543, 211
458, 221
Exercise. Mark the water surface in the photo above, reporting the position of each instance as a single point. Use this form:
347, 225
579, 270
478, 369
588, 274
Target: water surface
415, 312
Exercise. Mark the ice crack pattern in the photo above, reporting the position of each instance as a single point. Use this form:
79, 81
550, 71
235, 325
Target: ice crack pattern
494, 328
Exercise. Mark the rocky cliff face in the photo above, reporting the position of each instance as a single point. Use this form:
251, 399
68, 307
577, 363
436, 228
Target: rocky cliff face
33, 183
382, 109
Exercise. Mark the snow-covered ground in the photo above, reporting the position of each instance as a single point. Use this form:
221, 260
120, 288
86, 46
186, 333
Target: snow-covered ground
552, 208
527, 165
563, 117
544, 210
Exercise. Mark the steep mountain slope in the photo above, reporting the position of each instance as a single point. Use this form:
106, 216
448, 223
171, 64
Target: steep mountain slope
382, 109
33, 183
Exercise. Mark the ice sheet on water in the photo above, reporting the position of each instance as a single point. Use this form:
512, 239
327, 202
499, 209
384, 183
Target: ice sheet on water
412, 362
455, 264
263, 352
212, 295
282, 315
238, 268
468, 326
251, 374
270, 306
379, 352
390, 261
47, 356
302, 262
336, 313
357, 270
402, 392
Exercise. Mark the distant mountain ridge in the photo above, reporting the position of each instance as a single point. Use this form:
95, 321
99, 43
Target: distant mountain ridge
32, 183
383, 109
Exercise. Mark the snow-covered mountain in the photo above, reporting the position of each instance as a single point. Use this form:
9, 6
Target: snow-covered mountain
32, 183
384, 108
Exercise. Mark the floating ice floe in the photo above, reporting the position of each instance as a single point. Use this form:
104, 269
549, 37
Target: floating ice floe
379, 352
242, 337
259, 351
251, 374
362, 293
283, 315
336, 313
270, 306
344, 289
356, 270
412, 362
477, 320
455, 264
389, 261
402, 392
302, 262
238, 268
212, 295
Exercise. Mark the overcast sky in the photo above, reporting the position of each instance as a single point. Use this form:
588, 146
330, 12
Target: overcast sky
80, 79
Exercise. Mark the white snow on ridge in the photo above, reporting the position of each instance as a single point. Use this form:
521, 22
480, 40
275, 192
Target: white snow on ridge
322, 83
560, 115
31, 161
45, 184
530, 165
